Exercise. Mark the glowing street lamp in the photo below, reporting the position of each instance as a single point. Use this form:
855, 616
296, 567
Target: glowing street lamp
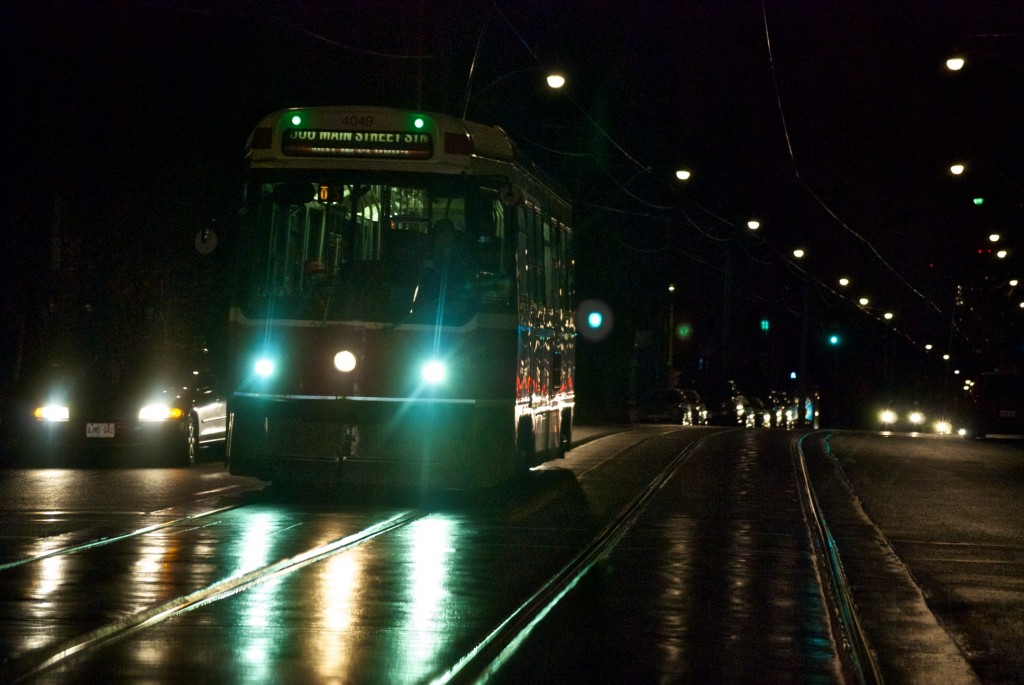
799, 253
844, 281
555, 80
683, 174
753, 224
955, 63
957, 169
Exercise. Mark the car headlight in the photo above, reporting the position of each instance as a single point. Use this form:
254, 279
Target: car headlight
943, 427
52, 412
159, 412
888, 417
916, 418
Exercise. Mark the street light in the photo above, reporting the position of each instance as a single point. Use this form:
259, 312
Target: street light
683, 174
957, 169
955, 63
753, 224
555, 80
799, 253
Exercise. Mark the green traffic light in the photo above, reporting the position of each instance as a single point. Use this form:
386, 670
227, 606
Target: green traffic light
833, 339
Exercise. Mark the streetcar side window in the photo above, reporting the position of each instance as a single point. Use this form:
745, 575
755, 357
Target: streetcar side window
492, 246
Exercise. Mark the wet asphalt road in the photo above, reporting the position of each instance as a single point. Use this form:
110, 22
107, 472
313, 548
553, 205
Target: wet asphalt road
177, 575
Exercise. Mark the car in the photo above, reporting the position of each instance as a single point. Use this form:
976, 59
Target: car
782, 409
161, 410
913, 418
698, 410
727, 406
761, 412
673, 405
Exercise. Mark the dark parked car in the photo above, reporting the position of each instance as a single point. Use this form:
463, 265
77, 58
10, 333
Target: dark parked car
158, 411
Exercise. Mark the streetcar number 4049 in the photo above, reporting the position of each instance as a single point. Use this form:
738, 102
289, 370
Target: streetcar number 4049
358, 120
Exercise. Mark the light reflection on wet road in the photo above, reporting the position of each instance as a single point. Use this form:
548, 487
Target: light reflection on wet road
712, 581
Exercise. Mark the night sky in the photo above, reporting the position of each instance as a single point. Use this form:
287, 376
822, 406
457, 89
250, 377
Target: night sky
833, 123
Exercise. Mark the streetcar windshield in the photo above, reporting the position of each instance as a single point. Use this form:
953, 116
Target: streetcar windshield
353, 250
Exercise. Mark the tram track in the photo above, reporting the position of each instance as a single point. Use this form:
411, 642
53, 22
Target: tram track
486, 658
111, 539
860, 664
27, 666
31, 665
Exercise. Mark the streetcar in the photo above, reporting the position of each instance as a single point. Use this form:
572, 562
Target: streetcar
404, 303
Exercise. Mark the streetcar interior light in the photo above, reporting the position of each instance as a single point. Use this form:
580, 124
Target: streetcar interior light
52, 412
159, 412
434, 372
264, 367
345, 361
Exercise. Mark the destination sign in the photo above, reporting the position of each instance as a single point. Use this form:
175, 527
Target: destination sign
379, 144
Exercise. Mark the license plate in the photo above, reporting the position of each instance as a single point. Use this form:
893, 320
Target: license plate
99, 430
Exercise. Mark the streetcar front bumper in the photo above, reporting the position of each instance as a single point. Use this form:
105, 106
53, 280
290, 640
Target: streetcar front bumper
449, 443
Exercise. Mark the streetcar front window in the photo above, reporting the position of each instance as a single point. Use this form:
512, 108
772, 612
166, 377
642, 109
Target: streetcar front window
380, 252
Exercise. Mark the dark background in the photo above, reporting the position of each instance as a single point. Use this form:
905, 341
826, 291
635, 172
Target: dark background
833, 123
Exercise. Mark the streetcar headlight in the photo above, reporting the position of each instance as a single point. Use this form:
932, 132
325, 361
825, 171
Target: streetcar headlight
52, 412
159, 412
264, 367
888, 417
434, 372
345, 361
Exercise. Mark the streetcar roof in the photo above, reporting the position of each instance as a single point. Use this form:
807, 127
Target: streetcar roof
458, 146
